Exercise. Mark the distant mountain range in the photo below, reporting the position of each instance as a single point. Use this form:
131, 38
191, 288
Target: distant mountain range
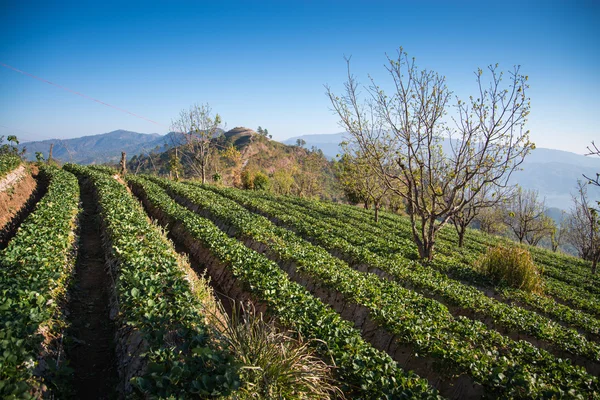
554, 173
97, 149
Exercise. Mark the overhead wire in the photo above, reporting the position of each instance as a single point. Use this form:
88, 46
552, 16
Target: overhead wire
80, 94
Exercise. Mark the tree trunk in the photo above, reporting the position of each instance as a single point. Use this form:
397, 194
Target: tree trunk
376, 212
203, 170
123, 163
594, 262
50, 153
461, 236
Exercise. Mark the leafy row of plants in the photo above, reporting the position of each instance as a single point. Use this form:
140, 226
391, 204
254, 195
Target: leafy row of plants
557, 266
342, 240
104, 169
459, 345
363, 371
35, 270
8, 162
381, 240
561, 282
156, 300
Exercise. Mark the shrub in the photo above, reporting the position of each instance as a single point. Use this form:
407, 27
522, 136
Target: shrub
247, 180
512, 266
261, 181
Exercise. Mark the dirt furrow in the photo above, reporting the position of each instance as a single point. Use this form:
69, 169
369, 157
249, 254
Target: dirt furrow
91, 350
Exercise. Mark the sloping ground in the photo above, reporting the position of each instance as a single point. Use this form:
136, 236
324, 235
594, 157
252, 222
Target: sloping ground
18, 194
449, 346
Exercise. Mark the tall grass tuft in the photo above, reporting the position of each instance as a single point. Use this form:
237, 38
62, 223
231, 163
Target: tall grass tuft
512, 266
274, 365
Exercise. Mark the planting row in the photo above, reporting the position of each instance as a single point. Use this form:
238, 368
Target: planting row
163, 344
363, 371
457, 346
557, 266
386, 239
466, 299
35, 270
383, 243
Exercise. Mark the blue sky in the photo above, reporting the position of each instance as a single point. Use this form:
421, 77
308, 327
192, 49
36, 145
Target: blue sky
265, 63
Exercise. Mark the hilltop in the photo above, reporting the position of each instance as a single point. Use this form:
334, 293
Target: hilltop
239, 154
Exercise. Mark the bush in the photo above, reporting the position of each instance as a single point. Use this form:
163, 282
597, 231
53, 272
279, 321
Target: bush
247, 180
261, 181
512, 266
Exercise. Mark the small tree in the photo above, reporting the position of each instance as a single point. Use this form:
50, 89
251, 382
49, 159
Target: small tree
559, 232
544, 227
583, 227
489, 196
175, 167
359, 181
401, 135
524, 215
491, 220
282, 181
233, 158
196, 127
10, 148
300, 142
261, 181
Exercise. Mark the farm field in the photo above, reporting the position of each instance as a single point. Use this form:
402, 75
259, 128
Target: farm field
105, 286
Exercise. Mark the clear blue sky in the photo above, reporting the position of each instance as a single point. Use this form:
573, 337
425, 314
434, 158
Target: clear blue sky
265, 63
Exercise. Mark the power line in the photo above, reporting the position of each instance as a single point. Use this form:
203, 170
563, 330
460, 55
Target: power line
80, 94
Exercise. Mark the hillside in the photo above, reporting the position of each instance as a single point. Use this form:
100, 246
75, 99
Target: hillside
241, 153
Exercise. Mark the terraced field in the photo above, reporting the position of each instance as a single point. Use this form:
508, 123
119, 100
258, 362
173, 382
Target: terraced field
88, 283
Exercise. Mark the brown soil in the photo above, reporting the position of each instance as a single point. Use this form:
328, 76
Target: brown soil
91, 352
16, 202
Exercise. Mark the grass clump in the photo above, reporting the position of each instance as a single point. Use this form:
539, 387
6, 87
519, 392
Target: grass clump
512, 266
273, 364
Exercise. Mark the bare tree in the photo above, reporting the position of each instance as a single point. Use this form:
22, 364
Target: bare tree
194, 129
524, 214
583, 227
491, 220
559, 234
489, 196
401, 135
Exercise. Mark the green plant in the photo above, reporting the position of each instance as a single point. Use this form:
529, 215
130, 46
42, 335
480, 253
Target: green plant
35, 270
274, 365
365, 373
157, 299
261, 181
512, 265
247, 180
